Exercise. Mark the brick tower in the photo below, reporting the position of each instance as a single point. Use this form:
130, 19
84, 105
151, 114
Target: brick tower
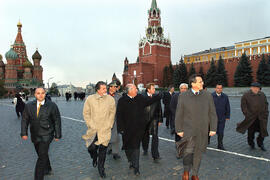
154, 53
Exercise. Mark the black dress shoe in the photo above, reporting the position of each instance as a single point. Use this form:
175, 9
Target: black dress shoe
137, 172
262, 148
131, 166
116, 156
102, 173
156, 160
109, 152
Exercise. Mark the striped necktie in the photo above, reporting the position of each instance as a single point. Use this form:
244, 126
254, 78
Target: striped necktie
38, 109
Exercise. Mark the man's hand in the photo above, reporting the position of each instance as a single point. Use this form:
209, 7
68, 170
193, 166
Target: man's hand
181, 134
56, 139
212, 133
159, 123
24, 137
227, 119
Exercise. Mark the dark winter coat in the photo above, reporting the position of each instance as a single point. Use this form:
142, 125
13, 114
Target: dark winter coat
173, 104
20, 104
130, 119
223, 111
166, 101
254, 107
46, 126
152, 115
194, 115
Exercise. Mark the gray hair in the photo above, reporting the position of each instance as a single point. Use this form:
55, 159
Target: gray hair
183, 84
129, 87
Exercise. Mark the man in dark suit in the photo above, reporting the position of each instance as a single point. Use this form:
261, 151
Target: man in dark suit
45, 125
194, 115
167, 112
153, 118
131, 123
222, 105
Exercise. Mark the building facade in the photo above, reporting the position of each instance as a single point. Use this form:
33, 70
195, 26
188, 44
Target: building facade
18, 72
231, 55
154, 53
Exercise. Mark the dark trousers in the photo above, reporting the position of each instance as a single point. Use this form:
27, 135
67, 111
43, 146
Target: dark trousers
98, 153
133, 156
19, 112
43, 164
170, 121
154, 144
192, 158
255, 127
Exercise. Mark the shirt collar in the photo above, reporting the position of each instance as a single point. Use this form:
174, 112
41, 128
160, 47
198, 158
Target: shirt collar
130, 96
42, 102
195, 91
149, 94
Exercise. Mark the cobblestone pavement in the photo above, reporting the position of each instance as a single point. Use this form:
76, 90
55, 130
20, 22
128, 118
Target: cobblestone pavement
71, 161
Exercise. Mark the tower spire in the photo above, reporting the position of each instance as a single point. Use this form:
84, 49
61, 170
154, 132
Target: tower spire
154, 4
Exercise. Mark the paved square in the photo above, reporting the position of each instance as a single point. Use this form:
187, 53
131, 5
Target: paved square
71, 161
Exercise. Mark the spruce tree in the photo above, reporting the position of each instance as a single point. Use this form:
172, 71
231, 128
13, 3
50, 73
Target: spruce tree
183, 74
267, 73
191, 70
201, 73
243, 74
170, 74
210, 80
176, 76
165, 76
221, 73
3, 91
262, 68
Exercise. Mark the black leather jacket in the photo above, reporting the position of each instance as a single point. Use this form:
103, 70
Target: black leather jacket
46, 126
153, 115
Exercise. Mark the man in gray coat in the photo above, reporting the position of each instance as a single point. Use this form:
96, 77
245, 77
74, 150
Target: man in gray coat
194, 115
115, 139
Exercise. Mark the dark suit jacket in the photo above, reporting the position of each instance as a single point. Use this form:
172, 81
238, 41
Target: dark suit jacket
46, 126
166, 101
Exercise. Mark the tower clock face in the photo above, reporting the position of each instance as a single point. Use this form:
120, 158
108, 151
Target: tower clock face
160, 30
149, 30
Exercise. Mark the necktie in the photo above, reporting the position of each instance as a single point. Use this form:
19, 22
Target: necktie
196, 93
38, 109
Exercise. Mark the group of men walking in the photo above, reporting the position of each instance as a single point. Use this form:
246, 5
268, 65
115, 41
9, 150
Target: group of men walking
192, 115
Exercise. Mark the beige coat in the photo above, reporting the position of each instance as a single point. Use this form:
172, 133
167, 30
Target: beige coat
99, 114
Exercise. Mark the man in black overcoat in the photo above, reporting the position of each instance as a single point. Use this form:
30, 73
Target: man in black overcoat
194, 115
131, 123
254, 106
153, 118
167, 112
45, 125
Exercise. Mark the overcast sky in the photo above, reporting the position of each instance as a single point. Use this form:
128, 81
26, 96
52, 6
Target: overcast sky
84, 41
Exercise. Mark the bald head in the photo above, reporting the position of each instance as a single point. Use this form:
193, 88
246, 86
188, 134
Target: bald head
40, 94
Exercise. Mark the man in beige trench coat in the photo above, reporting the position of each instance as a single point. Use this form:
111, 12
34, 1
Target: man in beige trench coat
99, 113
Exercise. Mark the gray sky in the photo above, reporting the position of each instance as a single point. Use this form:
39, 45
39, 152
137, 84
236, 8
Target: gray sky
84, 41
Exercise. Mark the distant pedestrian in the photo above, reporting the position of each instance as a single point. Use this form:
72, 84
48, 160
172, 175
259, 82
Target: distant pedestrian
167, 112
45, 125
254, 106
153, 118
173, 105
131, 123
75, 95
19, 104
99, 113
223, 111
194, 114
114, 146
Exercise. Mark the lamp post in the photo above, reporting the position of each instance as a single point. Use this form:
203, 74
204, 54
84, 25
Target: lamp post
49, 82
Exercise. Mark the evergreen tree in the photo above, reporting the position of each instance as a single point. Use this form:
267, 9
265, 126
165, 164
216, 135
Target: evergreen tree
183, 74
243, 74
210, 80
191, 70
176, 76
267, 73
170, 74
262, 68
3, 91
165, 76
201, 73
221, 73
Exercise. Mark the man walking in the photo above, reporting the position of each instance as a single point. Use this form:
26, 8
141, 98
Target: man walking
153, 118
222, 105
167, 112
45, 125
254, 106
173, 105
195, 113
131, 123
115, 139
99, 114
